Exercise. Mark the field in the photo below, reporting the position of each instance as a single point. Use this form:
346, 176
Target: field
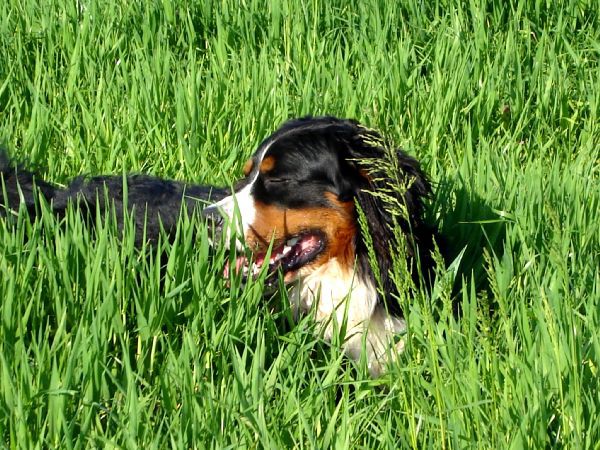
105, 345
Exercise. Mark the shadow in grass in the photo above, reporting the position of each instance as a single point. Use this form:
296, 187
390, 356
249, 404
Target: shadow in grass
467, 222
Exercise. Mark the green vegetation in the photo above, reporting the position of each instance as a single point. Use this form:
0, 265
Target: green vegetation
100, 346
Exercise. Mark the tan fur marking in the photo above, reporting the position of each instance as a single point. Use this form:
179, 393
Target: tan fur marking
336, 222
248, 165
366, 175
267, 164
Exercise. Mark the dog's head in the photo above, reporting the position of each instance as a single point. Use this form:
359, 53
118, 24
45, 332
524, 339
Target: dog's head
301, 191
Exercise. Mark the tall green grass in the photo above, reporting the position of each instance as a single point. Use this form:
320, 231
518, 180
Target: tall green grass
105, 345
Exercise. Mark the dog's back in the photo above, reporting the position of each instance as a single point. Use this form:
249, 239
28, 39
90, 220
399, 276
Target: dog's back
19, 186
153, 202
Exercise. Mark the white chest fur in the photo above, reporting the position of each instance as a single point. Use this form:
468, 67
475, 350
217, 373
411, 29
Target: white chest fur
336, 297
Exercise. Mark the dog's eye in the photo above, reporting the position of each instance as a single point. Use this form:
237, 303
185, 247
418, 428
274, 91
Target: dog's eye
278, 180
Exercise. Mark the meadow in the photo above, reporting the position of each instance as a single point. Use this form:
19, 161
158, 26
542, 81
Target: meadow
106, 345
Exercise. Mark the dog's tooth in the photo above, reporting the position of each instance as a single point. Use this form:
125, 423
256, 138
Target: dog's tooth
293, 241
286, 249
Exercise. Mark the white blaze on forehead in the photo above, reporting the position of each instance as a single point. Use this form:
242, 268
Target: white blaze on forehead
243, 199
243, 202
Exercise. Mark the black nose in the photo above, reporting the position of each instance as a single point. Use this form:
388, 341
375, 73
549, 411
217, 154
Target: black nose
213, 217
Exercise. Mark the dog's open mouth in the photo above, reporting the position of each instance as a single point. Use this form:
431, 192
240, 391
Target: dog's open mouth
289, 256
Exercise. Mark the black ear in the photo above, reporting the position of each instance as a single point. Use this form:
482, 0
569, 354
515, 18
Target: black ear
388, 174
347, 180
391, 190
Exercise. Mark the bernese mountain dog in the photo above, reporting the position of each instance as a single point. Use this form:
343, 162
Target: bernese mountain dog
298, 211
324, 202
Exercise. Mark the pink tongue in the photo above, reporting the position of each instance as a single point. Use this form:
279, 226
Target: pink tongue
310, 242
259, 260
226, 270
239, 264
305, 243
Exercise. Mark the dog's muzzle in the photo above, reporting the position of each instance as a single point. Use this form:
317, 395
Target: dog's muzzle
214, 219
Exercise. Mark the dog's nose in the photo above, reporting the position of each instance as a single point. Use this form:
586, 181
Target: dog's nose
213, 217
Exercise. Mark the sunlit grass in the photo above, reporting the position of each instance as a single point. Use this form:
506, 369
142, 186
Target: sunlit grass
102, 344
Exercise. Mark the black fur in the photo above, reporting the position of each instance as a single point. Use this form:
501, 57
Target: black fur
153, 202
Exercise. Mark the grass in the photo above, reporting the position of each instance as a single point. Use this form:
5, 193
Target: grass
103, 345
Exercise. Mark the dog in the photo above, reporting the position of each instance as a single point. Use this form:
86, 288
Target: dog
323, 202
304, 191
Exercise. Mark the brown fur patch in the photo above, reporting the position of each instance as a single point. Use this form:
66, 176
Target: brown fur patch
366, 175
337, 223
248, 165
267, 164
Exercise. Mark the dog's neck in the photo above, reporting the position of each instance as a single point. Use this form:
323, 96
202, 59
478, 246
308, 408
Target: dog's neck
339, 299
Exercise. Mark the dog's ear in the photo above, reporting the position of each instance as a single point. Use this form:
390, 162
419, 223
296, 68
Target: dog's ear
391, 174
348, 181
390, 188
